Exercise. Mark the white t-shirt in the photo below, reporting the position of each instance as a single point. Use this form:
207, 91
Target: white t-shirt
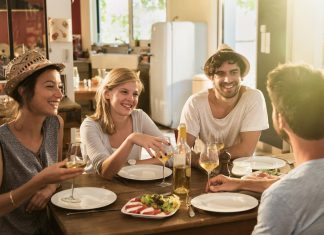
97, 142
249, 114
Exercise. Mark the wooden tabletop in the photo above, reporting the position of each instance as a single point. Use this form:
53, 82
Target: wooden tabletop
85, 93
114, 222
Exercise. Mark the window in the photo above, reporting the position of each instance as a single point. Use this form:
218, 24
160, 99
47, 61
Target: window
122, 21
240, 31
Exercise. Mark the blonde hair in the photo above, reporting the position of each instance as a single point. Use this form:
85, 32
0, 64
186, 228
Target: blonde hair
113, 79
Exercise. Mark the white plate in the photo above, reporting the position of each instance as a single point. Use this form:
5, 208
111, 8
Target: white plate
224, 202
144, 172
123, 210
90, 197
239, 172
263, 162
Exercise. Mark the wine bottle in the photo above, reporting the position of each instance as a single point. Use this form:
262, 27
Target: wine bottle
182, 164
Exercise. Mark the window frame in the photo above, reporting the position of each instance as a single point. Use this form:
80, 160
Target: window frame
130, 22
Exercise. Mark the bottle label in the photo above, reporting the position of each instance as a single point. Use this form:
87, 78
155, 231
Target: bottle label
179, 160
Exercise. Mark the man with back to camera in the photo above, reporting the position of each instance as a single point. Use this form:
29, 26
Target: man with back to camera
229, 112
294, 204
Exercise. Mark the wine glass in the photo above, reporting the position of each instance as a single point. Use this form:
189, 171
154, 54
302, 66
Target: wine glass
164, 157
76, 158
219, 140
209, 159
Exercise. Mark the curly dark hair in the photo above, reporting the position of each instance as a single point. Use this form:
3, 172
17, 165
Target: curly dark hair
216, 60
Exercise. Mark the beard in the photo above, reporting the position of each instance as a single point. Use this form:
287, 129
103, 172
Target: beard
228, 93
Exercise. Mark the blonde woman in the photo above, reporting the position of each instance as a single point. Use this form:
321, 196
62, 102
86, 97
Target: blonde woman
117, 131
30, 145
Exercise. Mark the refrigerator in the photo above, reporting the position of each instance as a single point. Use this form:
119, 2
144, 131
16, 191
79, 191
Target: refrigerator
178, 52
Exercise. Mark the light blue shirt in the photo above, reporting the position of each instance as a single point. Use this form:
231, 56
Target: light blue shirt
294, 204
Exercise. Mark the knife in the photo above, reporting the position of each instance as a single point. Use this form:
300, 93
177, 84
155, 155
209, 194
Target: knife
92, 211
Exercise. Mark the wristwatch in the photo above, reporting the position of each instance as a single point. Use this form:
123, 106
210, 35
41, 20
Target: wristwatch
131, 162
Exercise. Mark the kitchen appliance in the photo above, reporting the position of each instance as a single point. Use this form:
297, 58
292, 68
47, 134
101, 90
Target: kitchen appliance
179, 50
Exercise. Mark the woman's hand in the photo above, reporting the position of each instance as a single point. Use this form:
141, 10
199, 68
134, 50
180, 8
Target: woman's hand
47, 179
148, 142
41, 198
57, 172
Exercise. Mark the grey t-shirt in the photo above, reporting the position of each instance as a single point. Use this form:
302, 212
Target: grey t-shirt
20, 165
294, 204
97, 142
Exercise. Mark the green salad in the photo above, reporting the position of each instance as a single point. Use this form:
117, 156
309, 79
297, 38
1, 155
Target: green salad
166, 204
275, 172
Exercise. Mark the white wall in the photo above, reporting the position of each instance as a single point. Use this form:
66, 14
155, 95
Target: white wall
305, 31
193, 10
62, 52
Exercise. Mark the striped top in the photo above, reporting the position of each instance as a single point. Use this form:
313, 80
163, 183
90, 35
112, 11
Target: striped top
19, 166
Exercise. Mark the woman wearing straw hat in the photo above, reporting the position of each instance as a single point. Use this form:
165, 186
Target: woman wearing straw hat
30, 145
117, 131
229, 112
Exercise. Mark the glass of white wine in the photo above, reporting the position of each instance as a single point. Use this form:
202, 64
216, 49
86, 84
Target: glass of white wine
76, 158
209, 159
164, 157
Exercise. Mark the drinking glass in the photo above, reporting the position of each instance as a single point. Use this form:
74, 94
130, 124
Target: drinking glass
209, 159
164, 157
219, 140
76, 158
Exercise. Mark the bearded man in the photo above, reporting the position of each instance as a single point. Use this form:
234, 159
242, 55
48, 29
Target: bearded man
230, 112
293, 204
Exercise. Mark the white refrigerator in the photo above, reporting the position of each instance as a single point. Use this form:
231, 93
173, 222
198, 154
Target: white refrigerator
179, 50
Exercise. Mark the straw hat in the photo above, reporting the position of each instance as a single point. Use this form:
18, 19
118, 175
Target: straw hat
25, 65
223, 50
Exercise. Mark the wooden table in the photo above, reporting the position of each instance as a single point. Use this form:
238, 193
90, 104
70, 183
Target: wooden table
114, 222
83, 93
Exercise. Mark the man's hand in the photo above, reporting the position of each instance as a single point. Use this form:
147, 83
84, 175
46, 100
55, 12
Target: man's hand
223, 183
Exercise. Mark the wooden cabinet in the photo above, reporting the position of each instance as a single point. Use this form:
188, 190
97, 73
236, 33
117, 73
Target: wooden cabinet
144, 99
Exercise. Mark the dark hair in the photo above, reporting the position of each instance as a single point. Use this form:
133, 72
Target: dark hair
216, 61
297, 93
28, 84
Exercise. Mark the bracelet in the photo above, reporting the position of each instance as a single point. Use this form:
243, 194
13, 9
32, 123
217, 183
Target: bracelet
11, 199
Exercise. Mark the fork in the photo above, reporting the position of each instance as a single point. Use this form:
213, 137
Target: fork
191, 212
